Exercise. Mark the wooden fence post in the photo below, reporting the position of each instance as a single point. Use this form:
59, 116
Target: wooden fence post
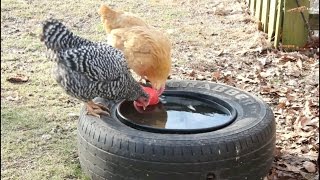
258, 10
278, 31
252, 6
295, 31
272, 19
265, 15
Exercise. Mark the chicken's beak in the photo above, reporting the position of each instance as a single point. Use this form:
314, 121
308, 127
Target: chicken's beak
145, 106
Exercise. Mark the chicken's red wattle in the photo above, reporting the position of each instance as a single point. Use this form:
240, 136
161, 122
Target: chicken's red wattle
153, 94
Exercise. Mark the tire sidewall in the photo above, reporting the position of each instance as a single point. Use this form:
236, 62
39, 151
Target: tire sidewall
251, 111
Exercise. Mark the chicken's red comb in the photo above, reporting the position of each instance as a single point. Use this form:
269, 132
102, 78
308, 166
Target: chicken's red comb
153, 94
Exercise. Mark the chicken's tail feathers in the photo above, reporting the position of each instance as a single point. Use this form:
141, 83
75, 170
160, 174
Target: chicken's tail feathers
54, 34
57, 36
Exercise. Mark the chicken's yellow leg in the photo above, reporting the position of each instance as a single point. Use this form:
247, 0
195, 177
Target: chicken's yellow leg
96, 110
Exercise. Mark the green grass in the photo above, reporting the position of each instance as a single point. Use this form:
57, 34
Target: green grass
37, 144
38, 138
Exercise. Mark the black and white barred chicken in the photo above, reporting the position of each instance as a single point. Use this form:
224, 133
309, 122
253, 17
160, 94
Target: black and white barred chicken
87, 69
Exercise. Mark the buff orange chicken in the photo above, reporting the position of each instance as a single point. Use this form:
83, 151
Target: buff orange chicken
147, 50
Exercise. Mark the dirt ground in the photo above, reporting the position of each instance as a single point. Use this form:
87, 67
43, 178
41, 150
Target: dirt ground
214, 41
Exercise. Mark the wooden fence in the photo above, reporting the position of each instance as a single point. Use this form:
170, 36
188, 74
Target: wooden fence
283, 20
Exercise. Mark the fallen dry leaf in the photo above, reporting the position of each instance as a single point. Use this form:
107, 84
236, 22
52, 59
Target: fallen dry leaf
19, 78
216, 75
284, 167
265, 89
277, 152
309, 166
304, 121
192, 73
288, 58
281, 105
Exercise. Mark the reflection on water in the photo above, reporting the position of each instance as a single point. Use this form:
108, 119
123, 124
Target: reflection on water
174, 112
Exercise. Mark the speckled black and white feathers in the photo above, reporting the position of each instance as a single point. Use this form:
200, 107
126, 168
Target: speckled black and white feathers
87, 69
57, 37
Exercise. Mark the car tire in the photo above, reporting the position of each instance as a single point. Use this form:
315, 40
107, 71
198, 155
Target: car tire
109, 149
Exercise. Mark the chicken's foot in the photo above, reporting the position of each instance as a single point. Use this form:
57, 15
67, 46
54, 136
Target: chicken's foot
97, 109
